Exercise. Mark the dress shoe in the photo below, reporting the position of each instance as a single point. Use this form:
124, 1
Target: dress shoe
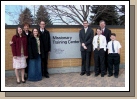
82, 73
110, 75
47, 76
96, 75
18, 82
26, 77
88, 74
102, 75
116, 76
23, 81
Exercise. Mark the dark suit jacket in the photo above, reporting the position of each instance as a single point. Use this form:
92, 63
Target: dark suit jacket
32, 47
107, 34
86, 38
45, 42
28, 36
29, 33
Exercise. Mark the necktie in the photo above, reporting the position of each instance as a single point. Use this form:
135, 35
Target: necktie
113, 47
85, 31
98, 42
102, 32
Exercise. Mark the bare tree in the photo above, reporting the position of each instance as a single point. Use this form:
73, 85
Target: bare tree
17, 10
121, 10
14, 13
101, 9
69, 13
62, 14
74, 14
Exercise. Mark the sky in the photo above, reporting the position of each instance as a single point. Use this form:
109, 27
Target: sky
15, 11
7, 17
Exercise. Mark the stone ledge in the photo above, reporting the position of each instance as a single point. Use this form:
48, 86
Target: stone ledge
66, 26
59, 70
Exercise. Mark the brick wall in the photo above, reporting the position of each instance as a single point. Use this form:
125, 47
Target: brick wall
120, 32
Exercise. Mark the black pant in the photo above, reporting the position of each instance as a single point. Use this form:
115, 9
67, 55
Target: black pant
99, 59
106, 61
113, 59
44, 63
26, 69
86, 57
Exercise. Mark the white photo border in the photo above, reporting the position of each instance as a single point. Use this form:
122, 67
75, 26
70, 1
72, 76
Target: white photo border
126, 88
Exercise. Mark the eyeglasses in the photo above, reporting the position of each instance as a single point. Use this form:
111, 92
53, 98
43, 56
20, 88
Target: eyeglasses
85, 23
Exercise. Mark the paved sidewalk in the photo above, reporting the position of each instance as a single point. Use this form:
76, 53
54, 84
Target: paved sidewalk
72, 80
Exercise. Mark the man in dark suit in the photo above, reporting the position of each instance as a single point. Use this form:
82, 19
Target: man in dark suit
107, 33
27, 33
86, 37
45, 48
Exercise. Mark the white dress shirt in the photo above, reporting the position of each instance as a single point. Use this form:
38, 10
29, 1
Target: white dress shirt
103, 29
85, 29
27, 33
103, 42
42, 30
117, 46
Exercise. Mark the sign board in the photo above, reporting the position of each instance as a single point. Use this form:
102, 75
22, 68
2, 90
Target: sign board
65, 45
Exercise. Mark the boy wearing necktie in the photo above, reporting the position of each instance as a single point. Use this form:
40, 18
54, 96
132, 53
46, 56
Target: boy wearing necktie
99, 47
113, 56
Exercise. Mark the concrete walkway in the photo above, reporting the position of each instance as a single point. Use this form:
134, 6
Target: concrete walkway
72, 80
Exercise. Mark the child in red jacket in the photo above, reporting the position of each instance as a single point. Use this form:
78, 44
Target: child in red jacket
20, 53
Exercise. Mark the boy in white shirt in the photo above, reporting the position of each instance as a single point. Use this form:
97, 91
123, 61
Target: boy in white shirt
113, 56
99, 47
